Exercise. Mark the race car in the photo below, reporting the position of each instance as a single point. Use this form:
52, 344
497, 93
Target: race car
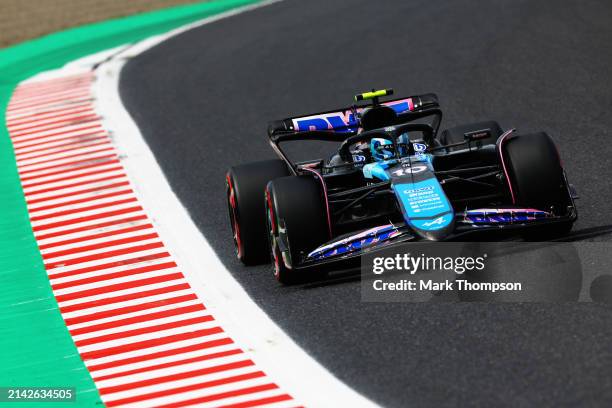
392, 179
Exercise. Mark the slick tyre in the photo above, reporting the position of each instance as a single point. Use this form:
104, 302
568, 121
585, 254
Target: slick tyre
297, 220
245, 186
536, 178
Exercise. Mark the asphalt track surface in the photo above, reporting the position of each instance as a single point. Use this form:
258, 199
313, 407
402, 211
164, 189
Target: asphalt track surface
202, 101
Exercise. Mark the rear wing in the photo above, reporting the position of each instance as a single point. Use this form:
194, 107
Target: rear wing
343, 121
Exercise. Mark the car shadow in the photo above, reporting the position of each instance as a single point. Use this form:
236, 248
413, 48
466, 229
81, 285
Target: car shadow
585, 233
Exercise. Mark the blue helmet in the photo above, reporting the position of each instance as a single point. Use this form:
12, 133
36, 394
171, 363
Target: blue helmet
382, 149
402, 144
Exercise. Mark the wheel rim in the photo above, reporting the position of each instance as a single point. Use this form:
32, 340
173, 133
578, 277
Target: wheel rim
272, 235
231, 205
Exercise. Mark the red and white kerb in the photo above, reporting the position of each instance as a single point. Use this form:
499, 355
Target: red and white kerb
144, 335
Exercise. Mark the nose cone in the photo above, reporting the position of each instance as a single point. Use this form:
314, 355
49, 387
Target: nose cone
424, 205
435, 229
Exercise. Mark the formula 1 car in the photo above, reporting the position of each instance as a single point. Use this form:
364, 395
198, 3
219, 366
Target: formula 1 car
392, 179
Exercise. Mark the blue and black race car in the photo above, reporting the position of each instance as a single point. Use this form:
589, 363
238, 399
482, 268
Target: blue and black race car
394, 178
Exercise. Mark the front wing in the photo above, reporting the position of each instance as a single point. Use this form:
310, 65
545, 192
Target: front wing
345, 252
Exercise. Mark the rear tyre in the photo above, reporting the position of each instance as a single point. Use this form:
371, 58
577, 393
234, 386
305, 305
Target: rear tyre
536, 178
456, 134
297, 222
245, 185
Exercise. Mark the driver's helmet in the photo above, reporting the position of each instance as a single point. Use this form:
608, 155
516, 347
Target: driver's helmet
382, 149
402, 144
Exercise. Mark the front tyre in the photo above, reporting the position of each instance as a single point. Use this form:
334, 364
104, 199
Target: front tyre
245, 185
297, 223
536, 178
